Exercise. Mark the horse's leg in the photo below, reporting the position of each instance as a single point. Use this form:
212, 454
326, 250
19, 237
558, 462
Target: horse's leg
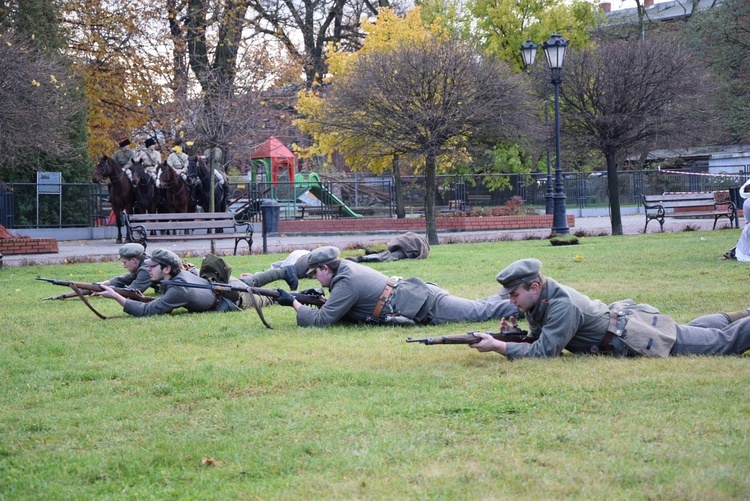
118, 221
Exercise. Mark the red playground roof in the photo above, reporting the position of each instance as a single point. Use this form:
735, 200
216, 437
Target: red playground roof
272, 148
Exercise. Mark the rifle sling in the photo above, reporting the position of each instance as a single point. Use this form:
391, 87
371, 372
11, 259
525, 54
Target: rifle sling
86, 301
260, 312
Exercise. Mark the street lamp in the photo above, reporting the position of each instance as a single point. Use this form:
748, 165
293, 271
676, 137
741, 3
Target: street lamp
528, 53
554, 49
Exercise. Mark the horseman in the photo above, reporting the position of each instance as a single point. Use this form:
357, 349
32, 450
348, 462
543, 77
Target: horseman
180, 162
124, 154
214, 158
149, 157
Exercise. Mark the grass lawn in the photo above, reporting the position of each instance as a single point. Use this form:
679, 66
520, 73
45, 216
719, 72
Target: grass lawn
215, 406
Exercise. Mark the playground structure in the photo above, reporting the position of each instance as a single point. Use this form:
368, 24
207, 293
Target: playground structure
275, 175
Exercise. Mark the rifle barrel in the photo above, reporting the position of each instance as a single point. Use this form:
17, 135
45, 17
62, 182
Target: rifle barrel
520, 336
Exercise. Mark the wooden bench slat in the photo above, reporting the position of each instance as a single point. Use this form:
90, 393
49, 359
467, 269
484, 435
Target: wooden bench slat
183, 226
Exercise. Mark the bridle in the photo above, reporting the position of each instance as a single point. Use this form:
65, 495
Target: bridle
104, 170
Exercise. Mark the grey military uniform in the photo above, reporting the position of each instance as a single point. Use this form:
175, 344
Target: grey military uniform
174, 296
139, 280
563, 318
355, 290
406, 246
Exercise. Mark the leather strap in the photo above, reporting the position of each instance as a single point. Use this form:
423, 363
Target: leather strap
604, 346
86, 301
383, 299
215, 303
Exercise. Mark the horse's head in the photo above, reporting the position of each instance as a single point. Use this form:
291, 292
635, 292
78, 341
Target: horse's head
102, 169
138, 172
164, 175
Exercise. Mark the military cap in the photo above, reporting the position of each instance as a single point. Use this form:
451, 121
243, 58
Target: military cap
517, 273
322, 255
131, 250
123, 142
164, 257
150, 142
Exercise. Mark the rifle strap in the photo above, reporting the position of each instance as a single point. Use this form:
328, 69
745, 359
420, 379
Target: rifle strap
86, 301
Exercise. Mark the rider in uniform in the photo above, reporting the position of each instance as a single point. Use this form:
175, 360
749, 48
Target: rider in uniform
149, 157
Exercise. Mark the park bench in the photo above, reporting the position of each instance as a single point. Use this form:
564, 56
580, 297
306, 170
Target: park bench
478, 200
146, 228
686, 205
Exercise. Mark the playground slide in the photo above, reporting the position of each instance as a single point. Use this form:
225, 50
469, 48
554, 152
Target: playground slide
324, 195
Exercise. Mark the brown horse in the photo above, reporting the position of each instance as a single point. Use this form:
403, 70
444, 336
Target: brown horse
146, 196
120, 190
175, 188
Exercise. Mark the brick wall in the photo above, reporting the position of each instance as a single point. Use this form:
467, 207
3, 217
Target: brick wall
418, 224
27, 245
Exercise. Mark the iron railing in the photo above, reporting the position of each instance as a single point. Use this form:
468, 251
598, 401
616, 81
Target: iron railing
28, 205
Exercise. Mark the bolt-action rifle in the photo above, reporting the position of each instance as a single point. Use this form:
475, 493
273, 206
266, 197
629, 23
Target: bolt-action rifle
83, 289
516, 336
309, 297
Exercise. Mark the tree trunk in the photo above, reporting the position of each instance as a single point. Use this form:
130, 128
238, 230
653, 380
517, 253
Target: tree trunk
614, 193
398, 189
429, 201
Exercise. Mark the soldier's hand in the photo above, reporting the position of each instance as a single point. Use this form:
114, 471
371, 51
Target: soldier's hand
284, 299
485, 342
509, 325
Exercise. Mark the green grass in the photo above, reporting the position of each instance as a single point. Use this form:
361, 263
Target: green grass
215, 406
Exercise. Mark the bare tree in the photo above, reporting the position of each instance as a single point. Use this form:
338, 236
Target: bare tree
306, 28
622, 95
427, 99
37, 90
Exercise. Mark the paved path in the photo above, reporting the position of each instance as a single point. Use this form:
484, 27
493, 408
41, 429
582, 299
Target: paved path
72, 251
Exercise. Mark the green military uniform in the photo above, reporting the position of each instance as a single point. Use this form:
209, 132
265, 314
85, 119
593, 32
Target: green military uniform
124, 155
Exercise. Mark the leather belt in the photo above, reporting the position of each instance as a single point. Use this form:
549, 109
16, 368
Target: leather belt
383, 299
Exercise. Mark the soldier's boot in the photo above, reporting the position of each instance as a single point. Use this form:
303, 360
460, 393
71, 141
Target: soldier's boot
262, 278
738, 315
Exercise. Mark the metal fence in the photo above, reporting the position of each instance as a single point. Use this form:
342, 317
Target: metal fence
29, 205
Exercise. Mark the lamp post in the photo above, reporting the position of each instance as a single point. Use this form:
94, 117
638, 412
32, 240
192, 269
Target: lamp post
528, 53
554, 49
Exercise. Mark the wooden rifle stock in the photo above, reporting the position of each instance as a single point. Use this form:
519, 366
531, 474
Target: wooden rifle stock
83, 289
519, 336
